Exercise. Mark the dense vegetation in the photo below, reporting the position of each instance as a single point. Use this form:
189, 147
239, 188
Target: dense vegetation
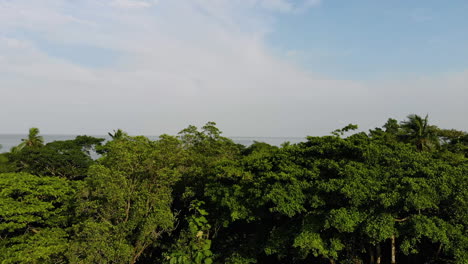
397, 194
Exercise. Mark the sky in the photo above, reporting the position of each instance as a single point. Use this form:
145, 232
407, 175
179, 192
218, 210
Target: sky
267, 68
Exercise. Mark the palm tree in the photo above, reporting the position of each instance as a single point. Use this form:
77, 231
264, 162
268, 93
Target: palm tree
416, 130
119, 134
33, 140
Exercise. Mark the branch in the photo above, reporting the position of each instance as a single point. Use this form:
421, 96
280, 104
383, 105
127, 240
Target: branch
402, 219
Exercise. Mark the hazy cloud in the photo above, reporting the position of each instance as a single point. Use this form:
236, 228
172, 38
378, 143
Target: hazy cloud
185, 62
132, 3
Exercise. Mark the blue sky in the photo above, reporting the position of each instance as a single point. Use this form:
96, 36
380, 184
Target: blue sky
256, 67
342, 39
365, 39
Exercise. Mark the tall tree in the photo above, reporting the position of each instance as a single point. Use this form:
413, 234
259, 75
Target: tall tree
416, 130
118, 134
124, 206
33, 140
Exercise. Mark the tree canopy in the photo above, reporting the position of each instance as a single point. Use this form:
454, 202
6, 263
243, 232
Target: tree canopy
395, 194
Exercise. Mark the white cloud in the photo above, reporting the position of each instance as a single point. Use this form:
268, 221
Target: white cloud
185, 62
278, 5
289, 6
133, 3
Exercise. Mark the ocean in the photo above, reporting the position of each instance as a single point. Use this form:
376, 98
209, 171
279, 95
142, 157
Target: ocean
9, 141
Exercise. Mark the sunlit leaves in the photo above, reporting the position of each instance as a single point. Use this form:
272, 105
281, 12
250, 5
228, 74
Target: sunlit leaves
33, 215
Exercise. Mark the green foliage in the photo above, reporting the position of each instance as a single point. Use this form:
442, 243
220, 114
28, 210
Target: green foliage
416, 130
69, 159
344, 220
193, 245
126, 199
314, 243
342, 131
118, 134
34, 214
5, 164
200, 198
33, 140
47, 246
99, 242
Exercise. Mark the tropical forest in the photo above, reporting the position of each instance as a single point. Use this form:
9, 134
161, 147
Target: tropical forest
393, 194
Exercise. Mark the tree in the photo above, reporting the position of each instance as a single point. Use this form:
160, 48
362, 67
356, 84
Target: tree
391, 126
5, 164
416, 130
118, 134
198, 197
124, 206
68, 158
454, 141
34, 213
203, 151
33, 140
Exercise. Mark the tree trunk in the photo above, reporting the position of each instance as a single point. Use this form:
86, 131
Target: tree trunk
438, 251
393, 249
379, 254
371, 256
357, 260
332, 261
